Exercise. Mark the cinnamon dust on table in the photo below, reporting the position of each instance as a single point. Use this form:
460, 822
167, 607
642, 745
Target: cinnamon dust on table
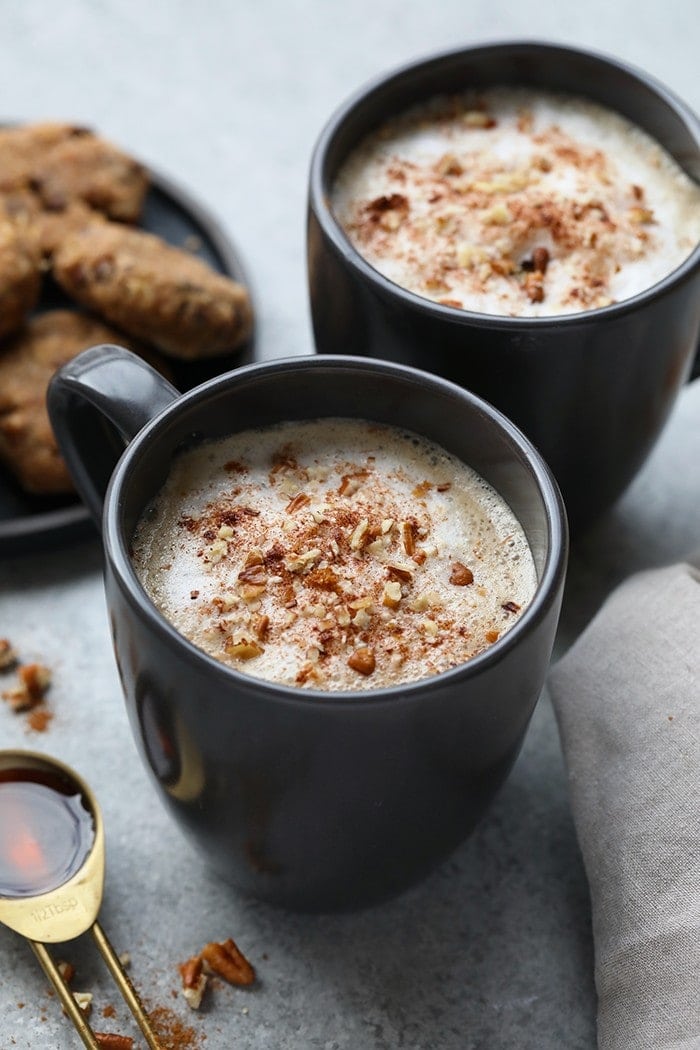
172, 1032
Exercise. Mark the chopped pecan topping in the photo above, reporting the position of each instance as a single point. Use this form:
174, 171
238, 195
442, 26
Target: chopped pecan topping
284, 460
350, 483
33, 680
330, 589
250, 592
228, 961
84, 1001
244, 650
233, 466
261, 626
359, 535
362, 661
511, 607
325, 579
194, 981
66, 970
534, 287
298, 501
391, 596
38, 719
474, 196
307, 673
361, 619
190, 971
388, 211
430, 627
299, 562
8, 657
641, 216
448, 164
540, 260
255, 574
112, 1041
274, 554
401, 572
408, 537
460, 575
478, 118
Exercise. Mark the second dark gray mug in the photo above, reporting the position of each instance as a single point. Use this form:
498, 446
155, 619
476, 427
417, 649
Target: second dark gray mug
592, 390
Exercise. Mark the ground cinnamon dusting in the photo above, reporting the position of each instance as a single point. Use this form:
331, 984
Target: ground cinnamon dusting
344, 560
172, 1033
540, 210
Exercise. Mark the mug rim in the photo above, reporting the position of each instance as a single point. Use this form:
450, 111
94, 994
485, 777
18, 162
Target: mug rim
116, 541
320, 185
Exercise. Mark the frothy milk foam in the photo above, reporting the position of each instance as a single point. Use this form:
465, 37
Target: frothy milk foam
517, 202
333, 554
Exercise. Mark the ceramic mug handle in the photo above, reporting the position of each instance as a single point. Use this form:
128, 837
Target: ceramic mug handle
97, 403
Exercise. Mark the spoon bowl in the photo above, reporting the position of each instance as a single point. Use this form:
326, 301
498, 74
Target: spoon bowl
52, 864
62, 912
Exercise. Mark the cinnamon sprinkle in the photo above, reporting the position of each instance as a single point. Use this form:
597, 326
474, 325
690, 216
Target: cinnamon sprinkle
520, 189
364, 560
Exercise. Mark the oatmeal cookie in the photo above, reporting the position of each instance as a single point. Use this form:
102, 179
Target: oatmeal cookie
23, 146
21, 206
20, 275
48, 228
52, 228
63, 163
27, 443
154, 291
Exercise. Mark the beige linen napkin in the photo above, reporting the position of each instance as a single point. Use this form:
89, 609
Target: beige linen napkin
627, 700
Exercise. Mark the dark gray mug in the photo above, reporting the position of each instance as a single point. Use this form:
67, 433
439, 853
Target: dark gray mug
592, 390
309, 799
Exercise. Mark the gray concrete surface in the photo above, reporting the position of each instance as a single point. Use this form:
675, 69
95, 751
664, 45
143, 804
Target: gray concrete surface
493, 951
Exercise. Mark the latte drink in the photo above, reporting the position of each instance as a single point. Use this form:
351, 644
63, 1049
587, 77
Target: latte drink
333, 554
517, 202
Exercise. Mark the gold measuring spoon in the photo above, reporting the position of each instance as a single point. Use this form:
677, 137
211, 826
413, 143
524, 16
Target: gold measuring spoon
52, 862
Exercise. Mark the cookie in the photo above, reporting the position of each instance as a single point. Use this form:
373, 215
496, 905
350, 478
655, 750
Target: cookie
27, 443
23, 146
48, 228
154, 291
52, 228
20, 275
63, 163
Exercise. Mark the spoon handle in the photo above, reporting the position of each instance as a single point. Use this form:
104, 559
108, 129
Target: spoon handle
66, 996
129, 993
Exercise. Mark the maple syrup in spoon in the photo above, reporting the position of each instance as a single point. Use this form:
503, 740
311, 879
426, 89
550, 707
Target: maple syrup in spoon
46, 831
52, 855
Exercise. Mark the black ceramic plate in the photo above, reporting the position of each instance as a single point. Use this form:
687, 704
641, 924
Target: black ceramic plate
34, 522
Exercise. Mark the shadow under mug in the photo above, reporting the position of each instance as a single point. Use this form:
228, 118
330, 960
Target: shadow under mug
308, 799
592, 390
